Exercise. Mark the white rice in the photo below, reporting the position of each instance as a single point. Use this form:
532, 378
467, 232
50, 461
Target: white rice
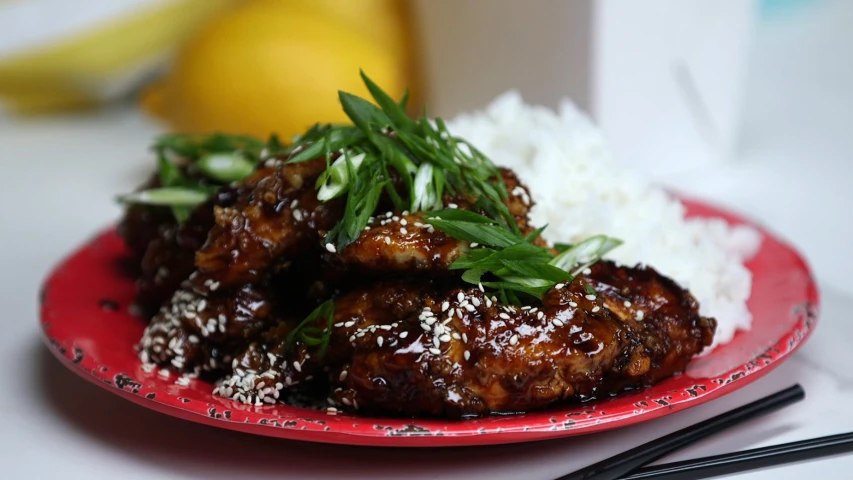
581, 191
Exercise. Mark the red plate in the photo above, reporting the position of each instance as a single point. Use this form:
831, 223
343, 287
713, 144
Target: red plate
87, 325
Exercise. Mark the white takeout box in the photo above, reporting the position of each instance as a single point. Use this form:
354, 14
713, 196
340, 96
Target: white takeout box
663, 78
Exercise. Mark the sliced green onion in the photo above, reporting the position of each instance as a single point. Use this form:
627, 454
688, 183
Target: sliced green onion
167, 196
336, 179
585, 253
225, 167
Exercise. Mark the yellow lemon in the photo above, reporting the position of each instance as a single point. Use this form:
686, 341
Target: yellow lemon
267, 67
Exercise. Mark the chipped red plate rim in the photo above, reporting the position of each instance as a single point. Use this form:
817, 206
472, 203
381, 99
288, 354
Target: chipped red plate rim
87, 324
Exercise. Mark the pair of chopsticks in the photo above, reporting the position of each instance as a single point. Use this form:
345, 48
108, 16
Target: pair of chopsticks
627, 465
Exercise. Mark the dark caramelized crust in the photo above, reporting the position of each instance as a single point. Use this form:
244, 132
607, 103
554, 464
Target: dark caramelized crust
572, 348
276, 220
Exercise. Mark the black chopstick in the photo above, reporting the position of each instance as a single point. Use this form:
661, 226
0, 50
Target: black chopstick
615, 467
747, 460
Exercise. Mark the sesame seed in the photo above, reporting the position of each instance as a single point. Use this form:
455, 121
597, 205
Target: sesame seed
488, 303
467, 354
332, 411
459, 312
445, 306
444, 338
452, 205
435, 351
436, 341
297, 214
288, 381
456, 336
427, 313
480, 286
465, 337
513, 340
586, 271
590, 297
404, 334
403, 222
352, 338
540, 315
346, 401
388, 240
294, 203
339, 324
430, 320
627, 304
426, 327
460, 296
557, 322
342, 376
559, 286
640, 314
202, 304
470, 308
504, 316
464, 303
214, 286
573, 304
475, 301
380, 341
595, 309
474, 244
349, 323
297, 366
331, 248
403, 231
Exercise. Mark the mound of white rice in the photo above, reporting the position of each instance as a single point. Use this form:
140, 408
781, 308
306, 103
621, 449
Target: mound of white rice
580, 191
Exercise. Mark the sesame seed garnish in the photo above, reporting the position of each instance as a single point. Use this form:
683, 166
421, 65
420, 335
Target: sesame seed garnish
464, 303
297, 214
342, 376
404, 334
297, 366
590, 297
339, 324
452, 205
504, 316
404, 222
465, 337
475, 301
331, 248
467, 354
332, 411
559, 286
380, 341
388, 240
214, 286
403, 231
426, 327
488, 303
435, 351
640, 314
470, 308
627, 304
573, 304
460, 296
430, 320
436, 341
557, 322
513, 340
445, 306
456, 336
596, 309
349, 323
586, 271
480, 286
459, 312
294, 203
540, 315
474, 244
444, 338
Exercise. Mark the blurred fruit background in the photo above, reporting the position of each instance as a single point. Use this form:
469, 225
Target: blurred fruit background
243, 66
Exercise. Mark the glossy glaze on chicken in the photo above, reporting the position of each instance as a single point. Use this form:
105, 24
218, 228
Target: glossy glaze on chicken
408, 336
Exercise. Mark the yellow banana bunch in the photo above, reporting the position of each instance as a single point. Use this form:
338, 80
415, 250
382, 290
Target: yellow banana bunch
96, 62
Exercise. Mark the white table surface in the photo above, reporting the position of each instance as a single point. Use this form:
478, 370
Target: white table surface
59, 175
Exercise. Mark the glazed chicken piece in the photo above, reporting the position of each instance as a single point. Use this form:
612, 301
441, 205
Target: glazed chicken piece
196, 333
462, 354
275, 220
